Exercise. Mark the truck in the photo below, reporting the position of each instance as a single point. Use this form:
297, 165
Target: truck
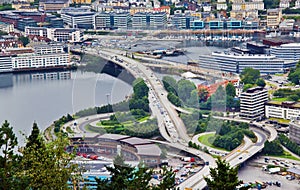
188, 159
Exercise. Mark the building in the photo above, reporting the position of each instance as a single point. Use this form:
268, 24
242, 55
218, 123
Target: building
241, 14
56, 34
287, 25
79, 19
282, 110
158, 20
53, 5
183, 21
5, 63
48, 49
252, 103
6, 27
82, 1
103, 21
121, 20
26, 22
284, 4
290, 51
141, 21
236, 63
294, 132
274, 17
132, 148
297, 4
36, 61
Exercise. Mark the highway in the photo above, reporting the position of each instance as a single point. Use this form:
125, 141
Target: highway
171, 126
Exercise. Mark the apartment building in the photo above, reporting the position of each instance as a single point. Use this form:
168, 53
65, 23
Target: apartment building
252, 103
274, 17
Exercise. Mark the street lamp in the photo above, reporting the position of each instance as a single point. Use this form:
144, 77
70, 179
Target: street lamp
107, 98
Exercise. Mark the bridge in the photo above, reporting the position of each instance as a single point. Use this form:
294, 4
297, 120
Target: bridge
170, 124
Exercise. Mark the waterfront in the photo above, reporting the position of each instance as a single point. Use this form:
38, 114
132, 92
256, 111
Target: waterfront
28, 98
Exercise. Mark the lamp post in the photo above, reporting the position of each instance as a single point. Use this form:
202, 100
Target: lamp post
107, 98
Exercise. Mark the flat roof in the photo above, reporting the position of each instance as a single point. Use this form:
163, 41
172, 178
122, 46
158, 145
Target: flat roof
148, 150
113, 136
82, 135
136, 141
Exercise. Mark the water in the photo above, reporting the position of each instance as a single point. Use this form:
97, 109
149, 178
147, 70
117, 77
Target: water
45, 97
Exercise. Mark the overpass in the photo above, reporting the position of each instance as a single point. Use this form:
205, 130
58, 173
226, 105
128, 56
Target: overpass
170, 124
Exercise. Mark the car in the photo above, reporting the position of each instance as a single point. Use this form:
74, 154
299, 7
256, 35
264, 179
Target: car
240, 158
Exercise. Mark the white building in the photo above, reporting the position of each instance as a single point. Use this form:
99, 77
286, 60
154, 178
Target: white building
6, 27
253, 103
48, 49
35, 61
284, 4
79, 19
289, 51
282, 110
5, 63
297, 4
236, 63
221, 6
56, 34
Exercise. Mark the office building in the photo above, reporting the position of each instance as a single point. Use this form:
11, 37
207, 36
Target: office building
6, 27
158, 20
294, 134
282, 110
236, 63
103, 21
290, 51
252, 103
79, 19
121, 20
183, 21
26, 22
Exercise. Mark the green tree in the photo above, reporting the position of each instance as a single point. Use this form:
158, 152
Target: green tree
170, 84
261, 82
8, 159
24, 40
273, 148
249, 75
174, 99
247, 86
49, 166
140, 88
293, 97
223, 177
230, 90
185, 87
194, 99
35, 139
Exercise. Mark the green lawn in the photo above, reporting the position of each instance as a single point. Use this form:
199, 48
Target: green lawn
286, 155
208, 140
279, 120
125, 123
280, 99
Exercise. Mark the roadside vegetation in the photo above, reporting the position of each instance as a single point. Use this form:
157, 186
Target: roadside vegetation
286, 142
286, 94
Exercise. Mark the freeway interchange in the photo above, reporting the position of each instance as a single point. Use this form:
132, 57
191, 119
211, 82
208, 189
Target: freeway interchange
172, 127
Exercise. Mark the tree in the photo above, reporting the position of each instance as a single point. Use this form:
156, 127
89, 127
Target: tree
35, 140
293, 97
24, 40
185, 87
170, 84
203, 94
247, 86
249, 75
49, 166
8, 159
230, 90
174, 99
261, 82
140, 88
223, 177
273, 148
194, 99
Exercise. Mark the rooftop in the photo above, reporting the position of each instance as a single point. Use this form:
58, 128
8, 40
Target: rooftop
294, 170
148, 150
113, 136
136, 141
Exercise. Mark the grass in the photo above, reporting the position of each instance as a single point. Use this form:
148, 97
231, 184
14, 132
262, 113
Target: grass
279, 120
286, 155
93, 129
280, 99
208, 140
125, 123
279, 74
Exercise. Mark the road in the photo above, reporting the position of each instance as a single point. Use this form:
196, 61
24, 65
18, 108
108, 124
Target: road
171, 126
